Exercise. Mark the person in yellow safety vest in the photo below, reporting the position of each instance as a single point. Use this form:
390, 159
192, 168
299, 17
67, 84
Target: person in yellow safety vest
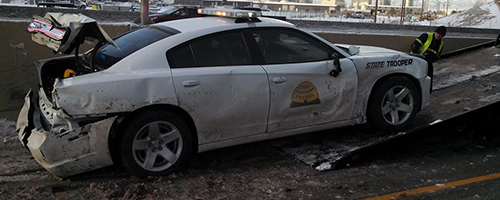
429, 45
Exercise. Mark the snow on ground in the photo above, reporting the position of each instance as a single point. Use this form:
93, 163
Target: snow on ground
482, 15
7, 131
14, 3
313, 16
7, 128
380, 19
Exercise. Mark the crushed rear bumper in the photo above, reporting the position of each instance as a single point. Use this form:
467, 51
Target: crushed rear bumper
77, 150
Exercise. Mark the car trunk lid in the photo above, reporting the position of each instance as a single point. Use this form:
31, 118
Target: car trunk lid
63, 32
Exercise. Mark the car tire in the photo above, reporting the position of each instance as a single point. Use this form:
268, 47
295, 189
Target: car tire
82, 7
393, 104
155, 143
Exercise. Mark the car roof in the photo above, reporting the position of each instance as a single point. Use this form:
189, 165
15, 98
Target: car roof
200, 23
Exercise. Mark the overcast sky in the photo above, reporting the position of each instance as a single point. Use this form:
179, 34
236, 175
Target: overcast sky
454, 4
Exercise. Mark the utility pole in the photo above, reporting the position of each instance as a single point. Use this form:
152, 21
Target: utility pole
423, 9
437, 7
403, 6
376, 11
144, 12
447, 5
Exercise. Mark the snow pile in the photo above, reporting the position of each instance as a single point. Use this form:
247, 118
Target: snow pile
7, 128
482, 15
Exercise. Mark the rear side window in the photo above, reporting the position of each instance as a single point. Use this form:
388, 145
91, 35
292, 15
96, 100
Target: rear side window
222, 49
130, 42
184, 56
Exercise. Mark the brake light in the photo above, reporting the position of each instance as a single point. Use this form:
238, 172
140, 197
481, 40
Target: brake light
200, 11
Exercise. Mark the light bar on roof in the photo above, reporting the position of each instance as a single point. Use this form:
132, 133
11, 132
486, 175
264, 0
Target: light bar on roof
233, 13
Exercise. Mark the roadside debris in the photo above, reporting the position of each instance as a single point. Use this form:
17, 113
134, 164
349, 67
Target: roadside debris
324, 166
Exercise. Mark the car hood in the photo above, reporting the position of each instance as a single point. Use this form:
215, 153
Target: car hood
370, 50
63, 32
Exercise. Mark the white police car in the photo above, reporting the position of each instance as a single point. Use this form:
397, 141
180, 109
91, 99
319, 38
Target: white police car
153, 96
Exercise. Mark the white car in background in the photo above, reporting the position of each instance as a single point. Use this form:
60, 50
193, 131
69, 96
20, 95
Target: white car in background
155, 95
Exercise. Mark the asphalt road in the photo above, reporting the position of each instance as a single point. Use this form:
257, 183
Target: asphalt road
459, 149
455, 159
448, 154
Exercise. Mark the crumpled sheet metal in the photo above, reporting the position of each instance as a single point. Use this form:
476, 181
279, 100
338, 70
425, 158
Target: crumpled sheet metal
80, 150
79, 26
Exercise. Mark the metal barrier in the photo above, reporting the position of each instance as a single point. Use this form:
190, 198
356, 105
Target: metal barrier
17, 68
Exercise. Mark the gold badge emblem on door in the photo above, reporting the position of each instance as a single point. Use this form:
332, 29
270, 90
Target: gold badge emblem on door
305, 94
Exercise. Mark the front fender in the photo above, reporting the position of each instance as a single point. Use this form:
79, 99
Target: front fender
371, 69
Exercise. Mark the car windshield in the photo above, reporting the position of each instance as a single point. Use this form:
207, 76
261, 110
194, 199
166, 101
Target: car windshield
107, 55
169, 11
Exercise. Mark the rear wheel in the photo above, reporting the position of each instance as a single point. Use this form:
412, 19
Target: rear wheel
155, 143
394, 102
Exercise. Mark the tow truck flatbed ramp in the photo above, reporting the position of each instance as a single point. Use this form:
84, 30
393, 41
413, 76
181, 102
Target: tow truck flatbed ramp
463, 82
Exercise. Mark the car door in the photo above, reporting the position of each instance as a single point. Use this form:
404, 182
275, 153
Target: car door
221, 85
303, 93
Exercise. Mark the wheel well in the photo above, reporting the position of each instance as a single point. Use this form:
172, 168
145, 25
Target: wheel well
411, 78
117, 128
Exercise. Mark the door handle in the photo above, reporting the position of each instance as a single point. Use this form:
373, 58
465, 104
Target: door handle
190, 83
280, 79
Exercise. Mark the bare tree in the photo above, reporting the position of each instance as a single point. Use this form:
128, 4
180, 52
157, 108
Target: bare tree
479, 3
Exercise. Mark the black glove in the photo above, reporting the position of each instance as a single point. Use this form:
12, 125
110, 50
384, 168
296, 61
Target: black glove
415, 48
430, 57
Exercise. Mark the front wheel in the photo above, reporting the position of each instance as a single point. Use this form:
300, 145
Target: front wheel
394, 102
155, 143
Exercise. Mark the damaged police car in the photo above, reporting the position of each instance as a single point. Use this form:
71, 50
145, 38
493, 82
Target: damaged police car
151, 97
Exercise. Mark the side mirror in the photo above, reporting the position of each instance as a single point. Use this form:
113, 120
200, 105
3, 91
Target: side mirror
336, 65
353, 50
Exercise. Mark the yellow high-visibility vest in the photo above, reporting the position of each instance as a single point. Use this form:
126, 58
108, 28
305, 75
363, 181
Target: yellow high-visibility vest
425, 46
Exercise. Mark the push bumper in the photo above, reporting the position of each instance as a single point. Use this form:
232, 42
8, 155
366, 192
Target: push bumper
68, 153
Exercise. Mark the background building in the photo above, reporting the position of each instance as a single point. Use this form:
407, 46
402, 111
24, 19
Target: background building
409, 3
389, 10
315, 6
360, 4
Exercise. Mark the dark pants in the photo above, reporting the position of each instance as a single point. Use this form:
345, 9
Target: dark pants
430, 69
497, 42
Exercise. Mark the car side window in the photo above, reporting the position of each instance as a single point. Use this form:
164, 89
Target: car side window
184, 12
183, 56
193, 11
222, 49
280, 46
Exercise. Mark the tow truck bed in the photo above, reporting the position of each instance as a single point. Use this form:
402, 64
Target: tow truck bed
464, 82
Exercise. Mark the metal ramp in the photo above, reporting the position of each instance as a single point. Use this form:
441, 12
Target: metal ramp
466, 81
